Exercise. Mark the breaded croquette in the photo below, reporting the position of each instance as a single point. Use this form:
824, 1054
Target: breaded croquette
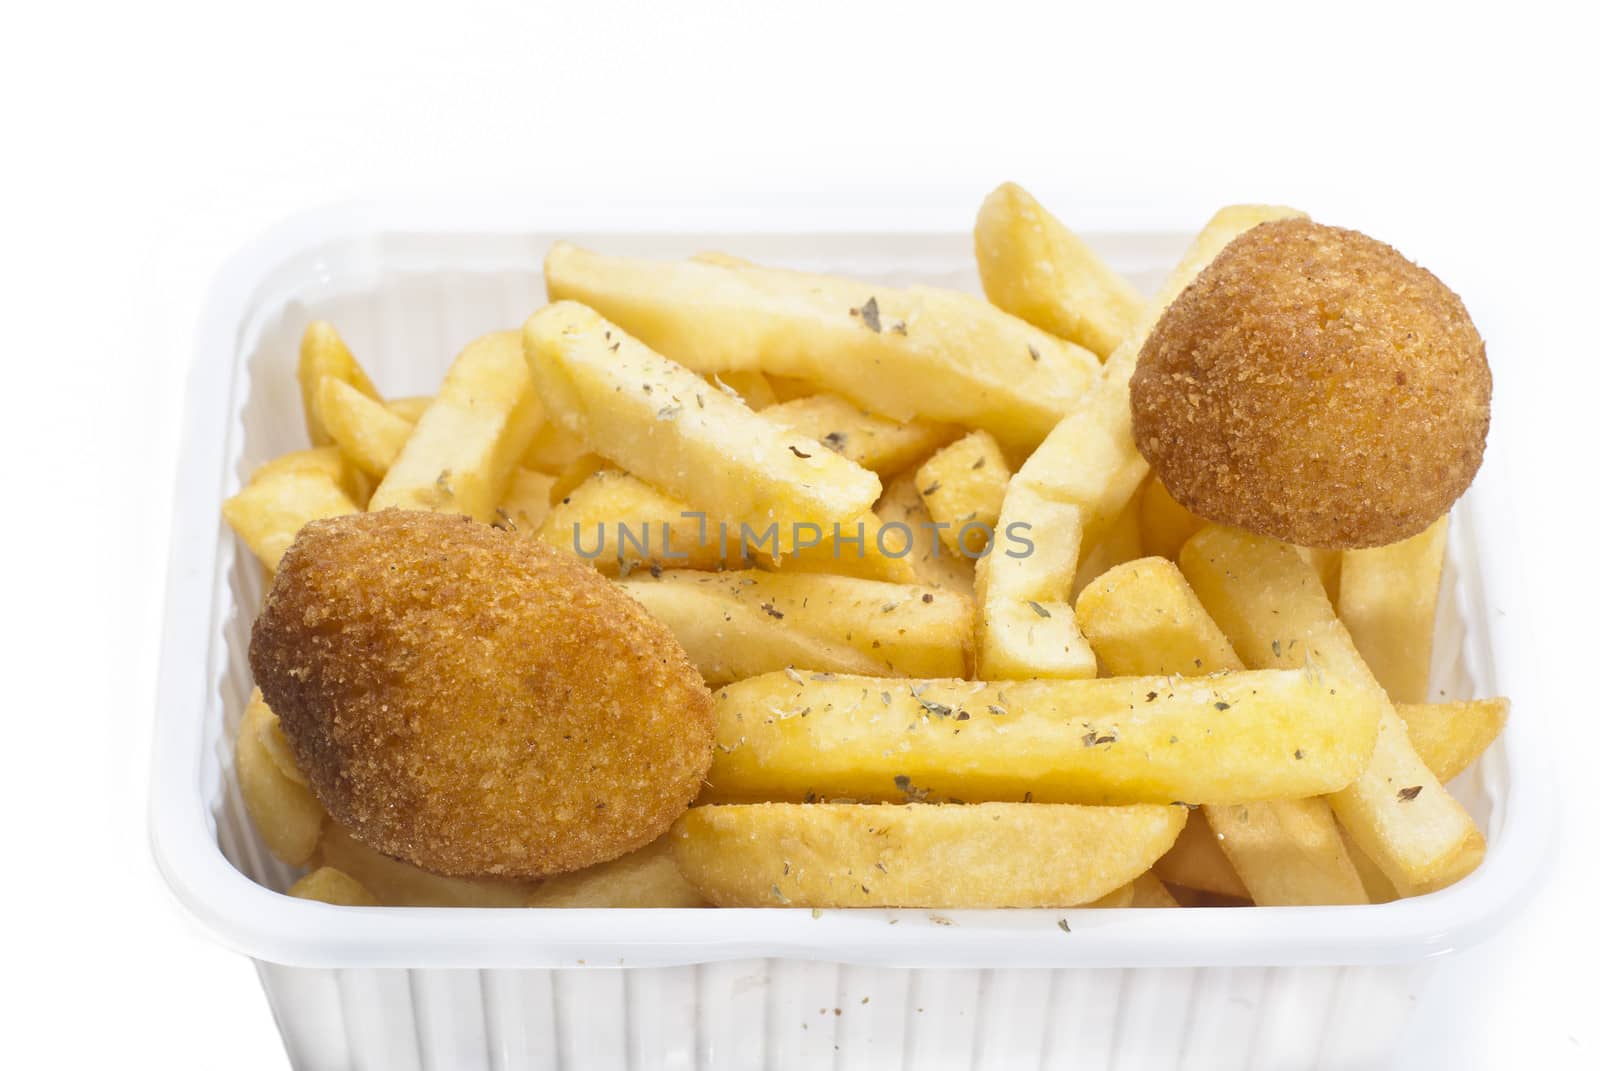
476, 703
1314, 385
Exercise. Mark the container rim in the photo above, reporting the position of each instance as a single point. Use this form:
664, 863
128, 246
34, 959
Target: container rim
274, 927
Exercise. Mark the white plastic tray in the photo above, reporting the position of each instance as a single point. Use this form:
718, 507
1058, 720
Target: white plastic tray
408, 288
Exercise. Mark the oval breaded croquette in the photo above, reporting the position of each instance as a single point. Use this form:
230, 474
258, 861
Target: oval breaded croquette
476, 703
1314, 385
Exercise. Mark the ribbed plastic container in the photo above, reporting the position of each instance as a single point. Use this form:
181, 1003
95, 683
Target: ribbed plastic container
395, 988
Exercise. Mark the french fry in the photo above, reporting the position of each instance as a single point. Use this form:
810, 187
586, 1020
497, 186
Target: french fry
1272, 607
660, 529
1164, 525
963, 486
901, 508
328, 461
324, 354
1149, 891
369, 432
526, 502
858, 548
466, 444
885, 446
1121, 896
399, 884
1196, 861
1386, 599
1032, 266
409, 409
285, 814
1328, 565
1026, 626
1228, 738
980, 855
1142, 617
667, 426
331, 886
552, 449
1449, 737
644, 878
1121, 543
271, 509
904, 353
743, 624
753, 389
1379, 889
578, 471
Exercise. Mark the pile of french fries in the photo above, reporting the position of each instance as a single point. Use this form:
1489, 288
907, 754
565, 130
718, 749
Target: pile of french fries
967, 651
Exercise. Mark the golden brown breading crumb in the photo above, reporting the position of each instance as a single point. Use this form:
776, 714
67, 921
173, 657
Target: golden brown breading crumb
1314, 385
476, 703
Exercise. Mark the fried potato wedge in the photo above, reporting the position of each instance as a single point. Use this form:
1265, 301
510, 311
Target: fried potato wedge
323, 355
1229, 738
1089, 459
911, 526
1195, 861
466, 444
285, 814
864, 855
885, 446
1149, 891
1449, 737
962, 487
664, 424
270, 511
398, 884
331, 886
327, 461
369, 432
1164, 525
1142, 617
645, 878
1033, 267
1272, 607
916, 353
1026, 626
1387, 597
742, 624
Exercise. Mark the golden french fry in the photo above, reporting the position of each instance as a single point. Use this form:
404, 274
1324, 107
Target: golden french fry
1328, 566
1379, 889
324, 354
885, 446
1227, 738
270, 511
578, 471
409, 409
1164, 525
331, 886
619, 522
467, 443
1032, 266
665, 425
753, 389
908, 519
526, 503
1089, 459
865, 855
369, 432
1149, 891
552, 449
645, 878
326, 461
1142, 617
1121, 896
904, 353
1026, 626
743, 624
1272, 607
1386, 599
962, 487
1196, 861
1449, 737
1120, 544
398, 884
285, 814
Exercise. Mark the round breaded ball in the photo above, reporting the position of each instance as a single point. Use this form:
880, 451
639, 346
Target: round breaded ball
475, 702
1314, 385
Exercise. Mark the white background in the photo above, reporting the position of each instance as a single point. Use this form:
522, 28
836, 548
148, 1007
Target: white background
146, 142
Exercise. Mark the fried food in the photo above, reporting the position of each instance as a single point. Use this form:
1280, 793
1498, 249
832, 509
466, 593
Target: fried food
1315, 386
474, 702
